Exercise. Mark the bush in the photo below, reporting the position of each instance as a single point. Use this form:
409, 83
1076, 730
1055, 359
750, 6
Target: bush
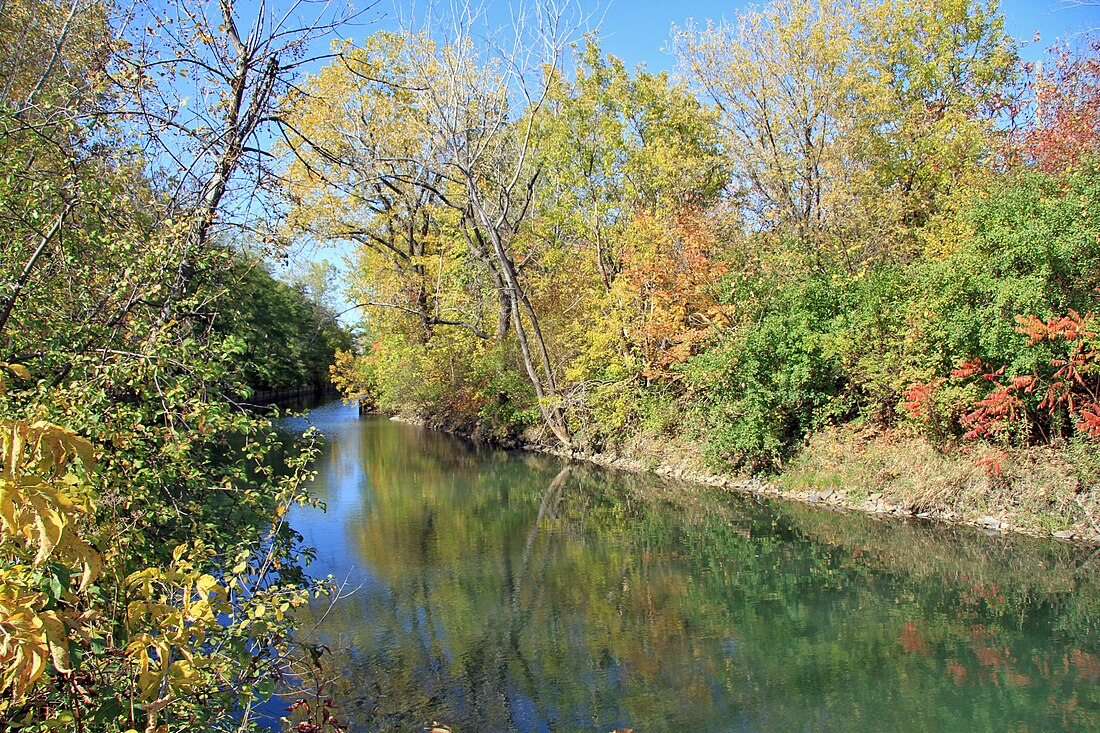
780, 377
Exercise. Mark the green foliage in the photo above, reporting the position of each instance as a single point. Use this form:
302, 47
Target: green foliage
821, 349
146, 569
283, 336
779, 377
1033, 253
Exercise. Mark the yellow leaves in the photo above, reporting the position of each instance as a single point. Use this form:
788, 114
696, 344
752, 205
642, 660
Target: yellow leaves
37, 510
50, 526
41, 512
41, 448
38, 516
31, 636
57, 638
148, 653
182, 675
24, 648
17, 369
169, 620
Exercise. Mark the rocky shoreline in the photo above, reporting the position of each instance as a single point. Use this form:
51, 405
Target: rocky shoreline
875, 504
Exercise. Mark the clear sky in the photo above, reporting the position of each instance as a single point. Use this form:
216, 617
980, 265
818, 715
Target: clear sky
637, 31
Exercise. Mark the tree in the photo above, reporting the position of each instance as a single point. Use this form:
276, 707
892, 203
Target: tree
630, 167
438, 125
848, 122
616, 146
781, 77
1064, 129
109, 294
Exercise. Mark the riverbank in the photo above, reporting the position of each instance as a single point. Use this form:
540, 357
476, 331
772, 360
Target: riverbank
1040, 492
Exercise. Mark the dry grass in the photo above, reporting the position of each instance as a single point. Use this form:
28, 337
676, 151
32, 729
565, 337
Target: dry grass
1038, 490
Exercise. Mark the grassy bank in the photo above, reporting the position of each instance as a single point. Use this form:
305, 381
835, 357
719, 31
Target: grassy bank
1038, 491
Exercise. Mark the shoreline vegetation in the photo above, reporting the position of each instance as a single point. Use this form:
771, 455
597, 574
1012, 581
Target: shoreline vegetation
850, 251
897, 476
148, 577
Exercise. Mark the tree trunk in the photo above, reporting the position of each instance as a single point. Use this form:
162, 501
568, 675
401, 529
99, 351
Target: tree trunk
546, 388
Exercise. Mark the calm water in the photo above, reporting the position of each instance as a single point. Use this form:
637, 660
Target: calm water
500, 591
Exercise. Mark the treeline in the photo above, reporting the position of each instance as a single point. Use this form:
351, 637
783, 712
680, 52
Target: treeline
285, 334
836, 213
146, 572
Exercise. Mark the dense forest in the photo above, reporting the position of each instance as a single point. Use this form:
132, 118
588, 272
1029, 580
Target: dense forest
871, 215
864, 217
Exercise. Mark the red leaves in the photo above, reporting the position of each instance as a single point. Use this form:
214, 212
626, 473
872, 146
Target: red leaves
918, 399
1066, 100
968, 369
1089, 420
1025, 382
913, 640
1073, 385
991, 462
998, 408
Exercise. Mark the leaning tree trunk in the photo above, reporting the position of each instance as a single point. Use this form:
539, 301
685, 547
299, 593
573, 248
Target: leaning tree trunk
539, 369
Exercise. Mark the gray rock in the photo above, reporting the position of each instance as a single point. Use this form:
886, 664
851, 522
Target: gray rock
1065, 534
989, 521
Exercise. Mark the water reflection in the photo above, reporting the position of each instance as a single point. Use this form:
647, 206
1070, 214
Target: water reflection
501, 591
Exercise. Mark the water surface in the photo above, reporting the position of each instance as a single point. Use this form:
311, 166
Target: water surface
498, 591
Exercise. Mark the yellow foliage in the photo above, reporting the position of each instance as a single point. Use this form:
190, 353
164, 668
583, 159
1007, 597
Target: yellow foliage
168, 622
42, 505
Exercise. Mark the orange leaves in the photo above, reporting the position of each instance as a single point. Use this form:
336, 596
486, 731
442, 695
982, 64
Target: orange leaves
918, 399
671, 270
1069, 327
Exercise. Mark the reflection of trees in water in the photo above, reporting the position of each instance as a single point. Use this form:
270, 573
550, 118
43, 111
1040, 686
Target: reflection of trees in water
518, 592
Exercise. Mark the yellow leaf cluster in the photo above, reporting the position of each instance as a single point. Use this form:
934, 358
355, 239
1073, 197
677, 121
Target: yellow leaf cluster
168, 622
41, 510
29, 637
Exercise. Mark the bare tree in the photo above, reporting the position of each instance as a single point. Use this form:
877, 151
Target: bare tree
205, 85
183, 97
450, 107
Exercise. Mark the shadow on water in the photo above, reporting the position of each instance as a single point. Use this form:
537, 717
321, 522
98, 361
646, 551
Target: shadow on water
506, 591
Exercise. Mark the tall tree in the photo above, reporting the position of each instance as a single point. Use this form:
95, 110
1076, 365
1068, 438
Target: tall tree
1064, 128
463, 122
781, 77
846, 120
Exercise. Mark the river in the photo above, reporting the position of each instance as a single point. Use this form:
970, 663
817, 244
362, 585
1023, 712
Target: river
501, 591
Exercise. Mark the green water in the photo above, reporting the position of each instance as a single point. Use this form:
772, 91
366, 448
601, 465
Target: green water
502, 591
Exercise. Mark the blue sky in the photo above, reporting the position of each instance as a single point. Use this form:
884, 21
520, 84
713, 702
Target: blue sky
637, 31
